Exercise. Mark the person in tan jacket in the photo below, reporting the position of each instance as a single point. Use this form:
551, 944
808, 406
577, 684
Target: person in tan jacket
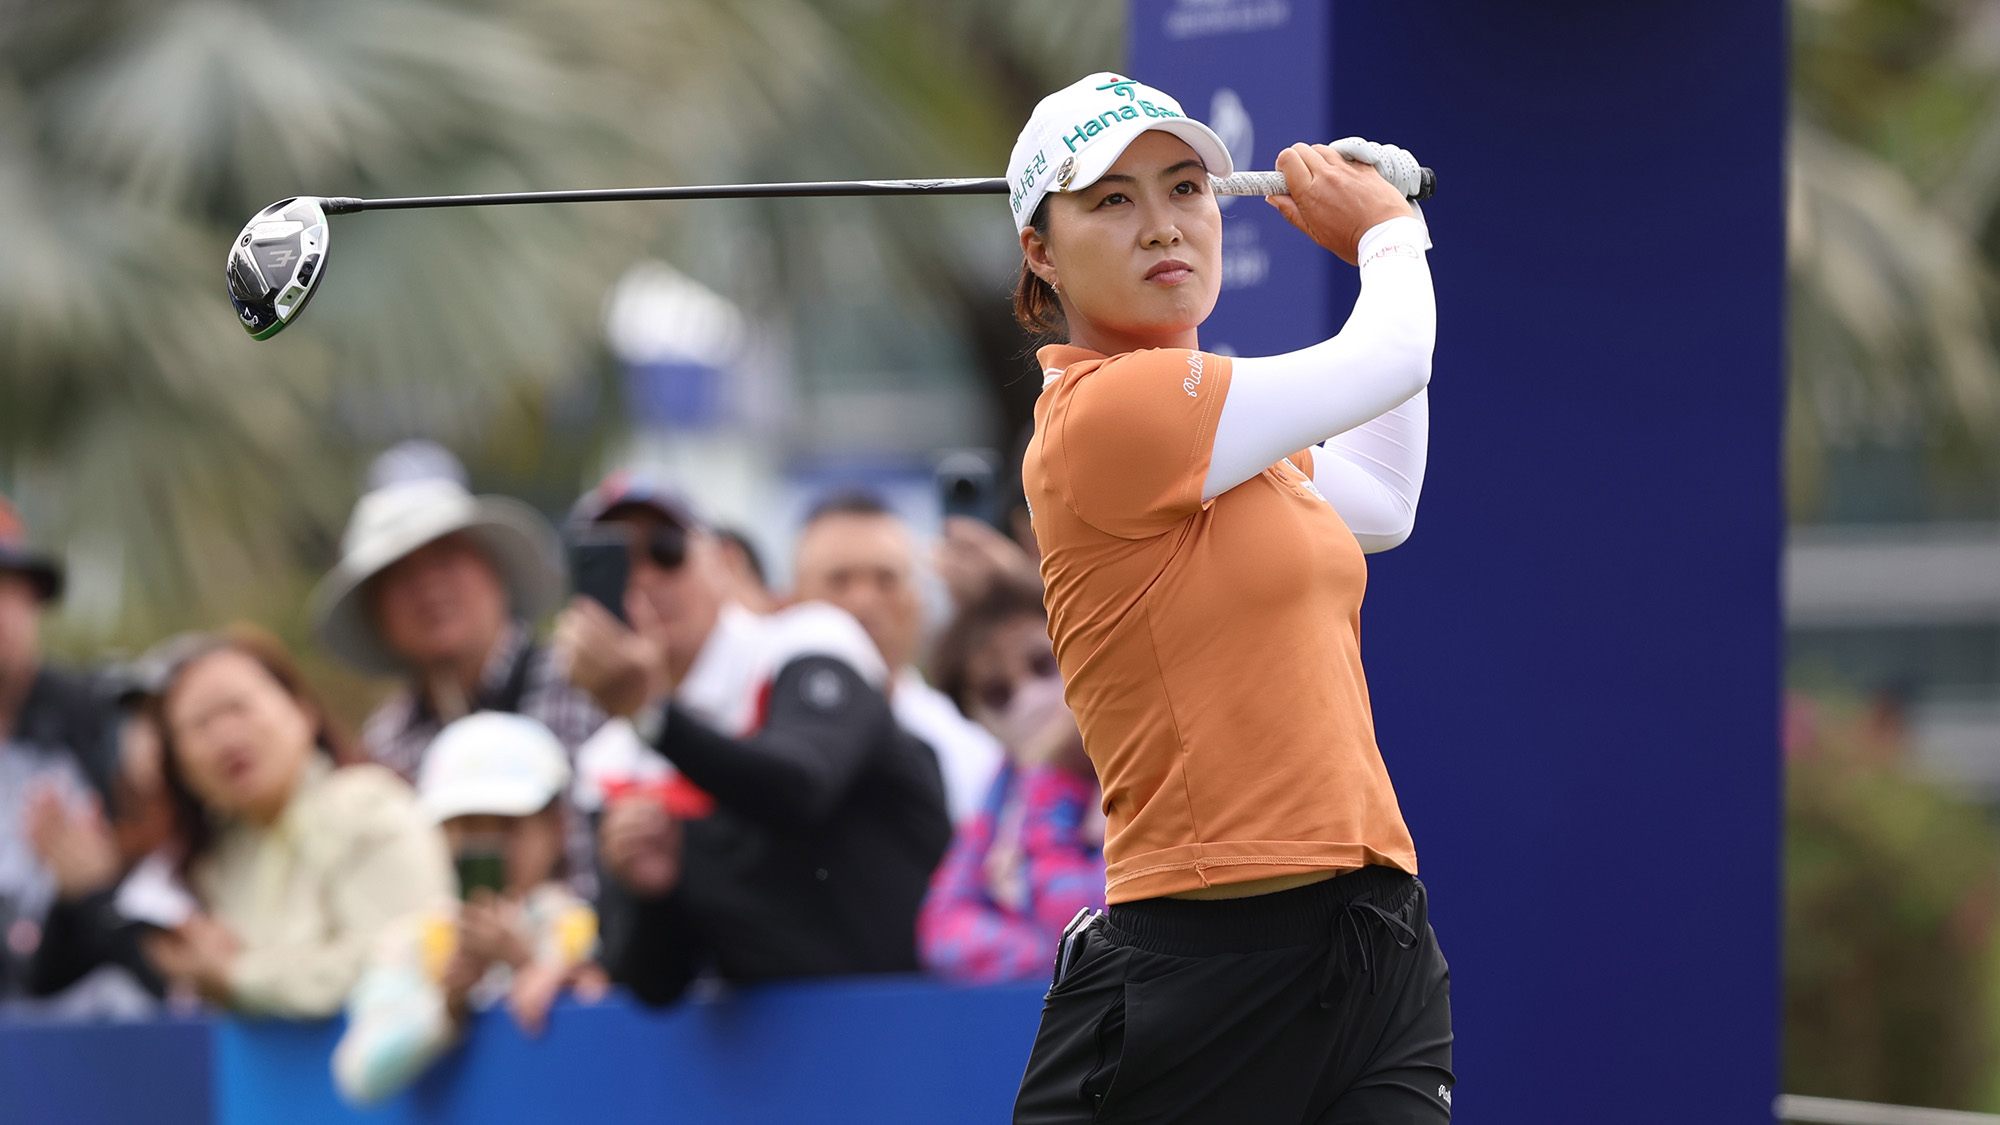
295, 861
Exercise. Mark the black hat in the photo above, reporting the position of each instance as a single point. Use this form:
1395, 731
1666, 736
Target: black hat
18, 558
628, 488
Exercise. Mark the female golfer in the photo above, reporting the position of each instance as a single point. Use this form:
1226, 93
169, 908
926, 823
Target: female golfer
1267, 956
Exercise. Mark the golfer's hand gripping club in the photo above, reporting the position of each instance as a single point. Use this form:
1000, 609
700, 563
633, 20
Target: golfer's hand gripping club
278, 260
1396, 165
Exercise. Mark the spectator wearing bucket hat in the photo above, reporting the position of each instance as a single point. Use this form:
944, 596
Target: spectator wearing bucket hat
801, 828
440, 586
58, 744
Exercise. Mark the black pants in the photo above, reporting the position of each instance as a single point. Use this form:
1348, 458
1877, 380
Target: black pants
1329, 1004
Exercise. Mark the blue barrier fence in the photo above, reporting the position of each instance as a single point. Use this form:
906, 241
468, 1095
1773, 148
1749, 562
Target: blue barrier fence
878, 1051
85, 1074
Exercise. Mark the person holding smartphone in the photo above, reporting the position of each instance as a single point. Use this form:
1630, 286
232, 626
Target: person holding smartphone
1267, 953
494, 784
803, 824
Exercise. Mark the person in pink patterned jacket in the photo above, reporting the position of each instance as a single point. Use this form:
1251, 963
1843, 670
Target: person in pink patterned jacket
1033, 856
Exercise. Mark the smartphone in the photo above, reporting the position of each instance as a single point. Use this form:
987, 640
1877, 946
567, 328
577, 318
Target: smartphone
1069, 950
599, 566
479, 870
965, 485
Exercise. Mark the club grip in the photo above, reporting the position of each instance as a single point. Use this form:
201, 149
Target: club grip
1273, 183
1249, 183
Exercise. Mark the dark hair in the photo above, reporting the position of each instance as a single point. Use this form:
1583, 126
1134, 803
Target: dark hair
1036, 306
192, 825
1007, 601
848, 502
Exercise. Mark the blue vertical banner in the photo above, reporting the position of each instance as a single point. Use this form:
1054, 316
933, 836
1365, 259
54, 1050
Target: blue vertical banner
1256, 71
1574, 662
677, 342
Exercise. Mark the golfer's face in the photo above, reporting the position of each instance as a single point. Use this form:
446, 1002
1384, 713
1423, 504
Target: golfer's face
1139, 253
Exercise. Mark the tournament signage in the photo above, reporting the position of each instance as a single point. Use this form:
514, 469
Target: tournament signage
1574, 663
1255, 71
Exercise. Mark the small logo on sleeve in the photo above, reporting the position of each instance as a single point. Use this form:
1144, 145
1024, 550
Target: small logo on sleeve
1444, 1094
1395, 250
823, 690
1193, 381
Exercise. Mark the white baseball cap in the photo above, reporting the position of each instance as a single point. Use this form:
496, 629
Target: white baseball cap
493, 763
1077, 133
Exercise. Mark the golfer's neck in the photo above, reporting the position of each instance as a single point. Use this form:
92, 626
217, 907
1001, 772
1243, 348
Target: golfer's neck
1104, 341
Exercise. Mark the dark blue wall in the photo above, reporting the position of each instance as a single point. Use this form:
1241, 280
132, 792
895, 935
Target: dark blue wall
1575, 661
97, 1074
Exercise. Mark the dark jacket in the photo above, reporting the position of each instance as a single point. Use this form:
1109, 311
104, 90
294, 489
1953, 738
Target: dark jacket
67, 720
79, 936
828, 823
78, 714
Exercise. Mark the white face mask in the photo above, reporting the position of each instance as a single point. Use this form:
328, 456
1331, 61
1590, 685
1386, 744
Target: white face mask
1036, 703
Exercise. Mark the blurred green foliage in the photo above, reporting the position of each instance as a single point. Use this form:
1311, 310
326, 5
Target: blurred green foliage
191, 475
1895, 170
1895, 76
1891, 880
1891, 887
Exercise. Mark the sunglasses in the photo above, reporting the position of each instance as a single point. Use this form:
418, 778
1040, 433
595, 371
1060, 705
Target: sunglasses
667, 546
996, 694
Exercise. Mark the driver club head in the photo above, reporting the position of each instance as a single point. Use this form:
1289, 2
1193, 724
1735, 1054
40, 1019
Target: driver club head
276, 264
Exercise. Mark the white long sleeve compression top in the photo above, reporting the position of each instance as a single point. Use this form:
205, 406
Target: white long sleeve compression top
1359, 400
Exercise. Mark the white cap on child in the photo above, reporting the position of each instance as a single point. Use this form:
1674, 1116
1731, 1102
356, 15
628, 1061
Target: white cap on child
492, 763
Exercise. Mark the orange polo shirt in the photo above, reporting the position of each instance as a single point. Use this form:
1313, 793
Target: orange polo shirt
1211, 651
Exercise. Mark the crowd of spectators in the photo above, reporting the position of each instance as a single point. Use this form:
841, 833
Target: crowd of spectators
702, 784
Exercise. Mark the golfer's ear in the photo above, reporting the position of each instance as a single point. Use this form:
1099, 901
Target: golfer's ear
1035, 249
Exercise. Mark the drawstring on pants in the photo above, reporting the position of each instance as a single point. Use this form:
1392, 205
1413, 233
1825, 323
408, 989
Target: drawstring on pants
1352, 919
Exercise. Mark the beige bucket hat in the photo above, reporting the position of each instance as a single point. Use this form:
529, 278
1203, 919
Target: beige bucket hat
396, 519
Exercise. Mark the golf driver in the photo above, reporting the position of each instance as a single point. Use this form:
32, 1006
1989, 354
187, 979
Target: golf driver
277, 263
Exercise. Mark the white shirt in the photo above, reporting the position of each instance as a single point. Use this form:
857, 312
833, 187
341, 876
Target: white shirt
1359, 400
724, 687
968, 756
743, 651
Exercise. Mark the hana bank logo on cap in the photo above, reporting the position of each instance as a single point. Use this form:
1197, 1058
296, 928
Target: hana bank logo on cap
1078, 132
